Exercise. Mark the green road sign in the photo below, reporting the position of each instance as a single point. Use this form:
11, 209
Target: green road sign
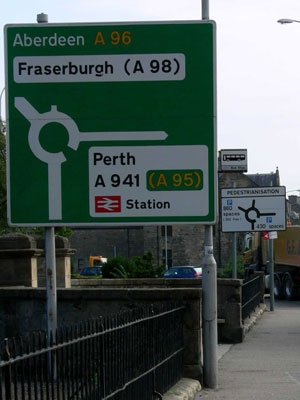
111, 124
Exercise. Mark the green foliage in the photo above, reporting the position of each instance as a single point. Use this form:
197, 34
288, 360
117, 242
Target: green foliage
34, 230
63, 231
111, 269
120, 272
138, 267
75, 276
145, 267
78, 276
227, 271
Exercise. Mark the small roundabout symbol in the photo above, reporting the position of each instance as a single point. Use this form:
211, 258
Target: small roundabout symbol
252, 214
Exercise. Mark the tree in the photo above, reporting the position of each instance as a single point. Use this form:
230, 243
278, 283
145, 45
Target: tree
138, 267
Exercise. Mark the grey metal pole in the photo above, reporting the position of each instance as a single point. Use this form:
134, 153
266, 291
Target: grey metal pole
234, 267
51, 298
209, 312
205, 9
271, 256
50, 258
209, 294
166, 246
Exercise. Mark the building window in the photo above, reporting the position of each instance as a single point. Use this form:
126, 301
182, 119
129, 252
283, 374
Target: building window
169, 257
169, 230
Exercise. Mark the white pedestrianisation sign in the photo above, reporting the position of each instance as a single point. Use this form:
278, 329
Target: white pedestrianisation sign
253, 209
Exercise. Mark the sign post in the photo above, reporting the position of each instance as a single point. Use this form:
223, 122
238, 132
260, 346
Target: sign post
209, 288
234, 263
259, 209
50, 261
233, 161
270, 236
112, 125
271, 257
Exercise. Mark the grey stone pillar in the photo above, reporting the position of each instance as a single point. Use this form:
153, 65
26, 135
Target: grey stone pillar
193, 352
63, 262
18, 260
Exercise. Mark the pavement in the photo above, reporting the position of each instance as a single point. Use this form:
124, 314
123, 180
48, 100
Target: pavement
267, 364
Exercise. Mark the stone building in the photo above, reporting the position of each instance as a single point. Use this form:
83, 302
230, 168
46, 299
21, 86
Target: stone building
184, 243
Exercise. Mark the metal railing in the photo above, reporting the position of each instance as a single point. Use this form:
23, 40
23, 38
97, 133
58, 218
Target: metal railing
136, 355
251, 294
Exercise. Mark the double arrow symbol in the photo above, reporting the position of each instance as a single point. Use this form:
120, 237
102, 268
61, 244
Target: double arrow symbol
108, 203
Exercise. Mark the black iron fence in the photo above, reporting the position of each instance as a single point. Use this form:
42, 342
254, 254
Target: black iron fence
251, 294
134, 355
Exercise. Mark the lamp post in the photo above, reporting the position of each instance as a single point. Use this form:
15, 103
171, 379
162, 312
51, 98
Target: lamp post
287, 21
209, 293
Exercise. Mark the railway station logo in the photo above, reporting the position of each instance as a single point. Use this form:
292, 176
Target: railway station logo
104, 204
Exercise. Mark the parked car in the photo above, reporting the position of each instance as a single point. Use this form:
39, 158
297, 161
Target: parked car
186, 271
91, 271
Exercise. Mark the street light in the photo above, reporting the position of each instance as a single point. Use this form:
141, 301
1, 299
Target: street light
287, 21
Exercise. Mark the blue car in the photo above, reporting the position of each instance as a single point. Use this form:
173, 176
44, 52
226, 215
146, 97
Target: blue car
91, 271
184, 272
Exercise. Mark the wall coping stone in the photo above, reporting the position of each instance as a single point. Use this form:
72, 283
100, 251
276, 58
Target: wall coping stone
20, 253
181, 282
17, 241
102, 293
16, 245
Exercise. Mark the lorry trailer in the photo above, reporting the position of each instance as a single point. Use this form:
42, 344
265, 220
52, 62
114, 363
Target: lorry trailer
286, 260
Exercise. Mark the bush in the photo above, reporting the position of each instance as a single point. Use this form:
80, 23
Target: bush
227, 271
145, 268
118, 267
138, 267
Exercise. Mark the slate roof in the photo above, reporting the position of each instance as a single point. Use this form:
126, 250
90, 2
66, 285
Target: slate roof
264, 179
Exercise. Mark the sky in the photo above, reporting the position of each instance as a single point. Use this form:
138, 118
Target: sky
258, 67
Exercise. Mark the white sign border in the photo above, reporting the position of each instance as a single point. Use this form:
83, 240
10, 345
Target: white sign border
225, 194
214, 209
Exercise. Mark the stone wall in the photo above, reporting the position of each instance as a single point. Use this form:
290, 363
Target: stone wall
22, 261
229, 297
18, 260
24, 309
